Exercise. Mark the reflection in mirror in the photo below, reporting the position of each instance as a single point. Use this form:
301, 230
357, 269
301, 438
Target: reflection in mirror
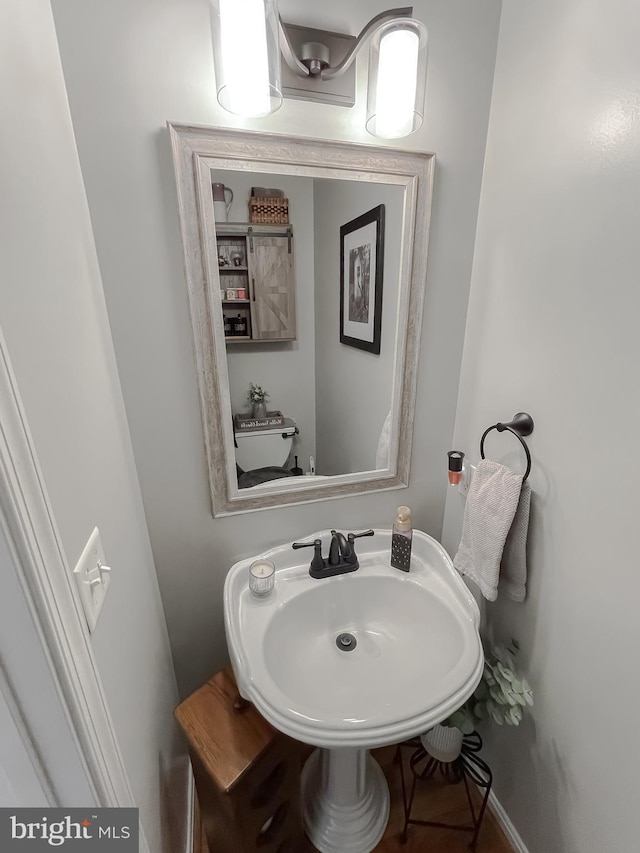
330, 399
305, 288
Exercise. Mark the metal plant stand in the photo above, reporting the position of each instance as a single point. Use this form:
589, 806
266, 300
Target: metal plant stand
468, 767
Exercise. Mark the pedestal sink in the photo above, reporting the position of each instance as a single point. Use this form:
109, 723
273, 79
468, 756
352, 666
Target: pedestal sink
352, 662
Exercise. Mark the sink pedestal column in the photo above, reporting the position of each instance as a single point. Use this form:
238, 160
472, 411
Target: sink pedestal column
345, 800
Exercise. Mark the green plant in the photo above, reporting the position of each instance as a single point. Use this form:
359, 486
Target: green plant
257, 394
501, 696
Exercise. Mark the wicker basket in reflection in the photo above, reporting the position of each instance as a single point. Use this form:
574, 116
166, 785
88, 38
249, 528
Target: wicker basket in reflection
269, 211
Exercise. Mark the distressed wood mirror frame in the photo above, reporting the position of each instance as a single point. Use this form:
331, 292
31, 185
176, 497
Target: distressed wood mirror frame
197, 150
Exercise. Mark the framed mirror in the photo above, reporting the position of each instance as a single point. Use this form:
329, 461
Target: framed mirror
305, 263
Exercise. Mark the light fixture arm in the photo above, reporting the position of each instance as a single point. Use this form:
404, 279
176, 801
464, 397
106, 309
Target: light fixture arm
327, 72
405, 12
289, 54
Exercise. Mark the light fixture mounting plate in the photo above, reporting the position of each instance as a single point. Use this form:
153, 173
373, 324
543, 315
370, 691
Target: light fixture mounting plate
340, 91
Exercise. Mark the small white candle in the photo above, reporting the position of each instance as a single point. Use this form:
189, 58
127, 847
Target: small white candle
262, 577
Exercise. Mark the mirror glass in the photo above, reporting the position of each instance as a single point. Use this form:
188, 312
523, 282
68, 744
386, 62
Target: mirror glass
305, 265
337, 395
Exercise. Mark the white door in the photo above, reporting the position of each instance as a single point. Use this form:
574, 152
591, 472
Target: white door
40, 759
58, 744
22, 777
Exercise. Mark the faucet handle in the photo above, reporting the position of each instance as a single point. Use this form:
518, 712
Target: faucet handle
317, 562
352, 537
313, 544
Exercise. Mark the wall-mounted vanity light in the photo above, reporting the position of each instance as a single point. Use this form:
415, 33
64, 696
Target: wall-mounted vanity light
249, 38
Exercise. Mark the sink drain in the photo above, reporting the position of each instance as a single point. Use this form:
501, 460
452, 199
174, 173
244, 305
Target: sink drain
346, 642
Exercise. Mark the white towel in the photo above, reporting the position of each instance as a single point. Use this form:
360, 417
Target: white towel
493, 502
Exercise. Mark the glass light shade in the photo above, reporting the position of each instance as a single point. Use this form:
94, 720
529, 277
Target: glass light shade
246, 56
397, 78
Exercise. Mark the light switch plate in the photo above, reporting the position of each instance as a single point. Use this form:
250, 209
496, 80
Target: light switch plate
92, 577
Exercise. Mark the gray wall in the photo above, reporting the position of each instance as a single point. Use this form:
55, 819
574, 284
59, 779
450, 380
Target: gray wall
353, 387
553, 330
130, 66
55, 324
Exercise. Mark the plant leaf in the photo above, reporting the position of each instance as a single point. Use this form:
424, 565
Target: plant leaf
516, 715
497, 696
504, 684
505, 672
467, 727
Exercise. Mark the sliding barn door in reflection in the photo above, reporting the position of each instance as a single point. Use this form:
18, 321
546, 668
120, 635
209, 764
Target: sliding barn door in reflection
273, 300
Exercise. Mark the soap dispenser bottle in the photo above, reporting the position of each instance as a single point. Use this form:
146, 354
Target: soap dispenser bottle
401, 537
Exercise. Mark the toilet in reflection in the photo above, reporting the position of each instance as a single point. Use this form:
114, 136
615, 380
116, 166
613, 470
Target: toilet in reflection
265, 448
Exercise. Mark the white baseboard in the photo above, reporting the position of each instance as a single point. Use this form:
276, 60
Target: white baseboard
505, 823
191, 797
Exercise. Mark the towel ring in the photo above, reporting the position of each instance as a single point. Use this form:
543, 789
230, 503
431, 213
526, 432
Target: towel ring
521, 425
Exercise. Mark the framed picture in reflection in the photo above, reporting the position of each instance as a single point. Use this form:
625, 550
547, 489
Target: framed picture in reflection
361, 274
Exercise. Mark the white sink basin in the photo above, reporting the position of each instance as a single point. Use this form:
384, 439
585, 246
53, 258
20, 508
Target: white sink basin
418, 653
417, 657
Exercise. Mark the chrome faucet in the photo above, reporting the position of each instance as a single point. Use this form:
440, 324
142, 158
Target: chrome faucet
342, 554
